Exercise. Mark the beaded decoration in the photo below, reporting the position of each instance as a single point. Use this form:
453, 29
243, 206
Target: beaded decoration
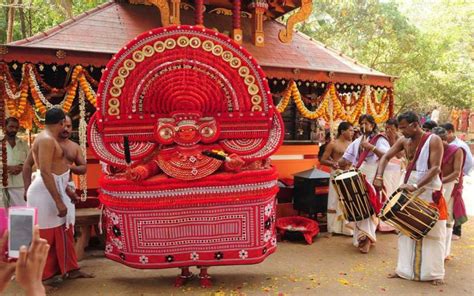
186, 70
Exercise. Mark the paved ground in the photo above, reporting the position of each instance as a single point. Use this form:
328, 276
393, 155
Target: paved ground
330, 266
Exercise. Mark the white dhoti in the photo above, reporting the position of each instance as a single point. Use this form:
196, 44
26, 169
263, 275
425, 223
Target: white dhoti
448, 190
366, 227
391, 180
15, 197
39, 197
335, 218
423, 260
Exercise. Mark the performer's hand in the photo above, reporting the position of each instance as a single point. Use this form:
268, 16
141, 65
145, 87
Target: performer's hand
378, 184
6, 269
335, 165
235, 162
409, 188
136, 174
30, 265
62, 210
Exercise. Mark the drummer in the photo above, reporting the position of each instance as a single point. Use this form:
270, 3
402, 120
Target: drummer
334, 151
419, 260
452, 168
364, 154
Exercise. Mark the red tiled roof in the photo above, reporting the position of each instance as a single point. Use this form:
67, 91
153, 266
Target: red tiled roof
110, 26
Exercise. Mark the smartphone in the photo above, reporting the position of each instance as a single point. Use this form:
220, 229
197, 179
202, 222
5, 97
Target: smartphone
20, 229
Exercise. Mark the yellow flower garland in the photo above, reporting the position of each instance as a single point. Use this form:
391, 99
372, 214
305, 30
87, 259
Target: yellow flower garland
380, 111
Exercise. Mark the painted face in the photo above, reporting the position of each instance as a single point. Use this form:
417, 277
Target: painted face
186, 134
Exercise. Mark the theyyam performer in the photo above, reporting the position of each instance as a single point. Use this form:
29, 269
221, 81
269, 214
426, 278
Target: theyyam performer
188, 115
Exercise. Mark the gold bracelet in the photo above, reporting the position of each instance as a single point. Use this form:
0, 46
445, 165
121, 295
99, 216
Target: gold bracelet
378, 177
373, 149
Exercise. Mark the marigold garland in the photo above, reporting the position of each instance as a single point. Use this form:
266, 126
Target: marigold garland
32, 83
341, 110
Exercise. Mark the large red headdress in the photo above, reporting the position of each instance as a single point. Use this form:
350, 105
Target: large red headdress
184, 85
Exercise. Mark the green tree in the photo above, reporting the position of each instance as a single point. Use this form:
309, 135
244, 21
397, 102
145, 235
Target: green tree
40, 15
427, 45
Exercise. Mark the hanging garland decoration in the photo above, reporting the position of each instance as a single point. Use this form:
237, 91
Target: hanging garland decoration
16, 96
3, 141
83, 141
31, 82
341, 109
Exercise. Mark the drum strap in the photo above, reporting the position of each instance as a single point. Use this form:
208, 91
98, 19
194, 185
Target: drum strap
412, 164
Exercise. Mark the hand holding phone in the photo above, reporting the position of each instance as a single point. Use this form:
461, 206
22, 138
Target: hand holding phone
20, 228
6, 268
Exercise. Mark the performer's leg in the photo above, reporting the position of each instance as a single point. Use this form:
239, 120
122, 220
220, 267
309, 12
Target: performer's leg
204, 277
183, 278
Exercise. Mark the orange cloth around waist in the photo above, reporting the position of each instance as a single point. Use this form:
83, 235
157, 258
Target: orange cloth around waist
442, 208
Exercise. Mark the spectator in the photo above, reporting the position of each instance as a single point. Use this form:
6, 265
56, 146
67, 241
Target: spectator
17, 150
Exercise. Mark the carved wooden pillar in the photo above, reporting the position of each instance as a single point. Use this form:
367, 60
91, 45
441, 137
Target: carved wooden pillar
258, 8
199, 13
236, 29
175, 18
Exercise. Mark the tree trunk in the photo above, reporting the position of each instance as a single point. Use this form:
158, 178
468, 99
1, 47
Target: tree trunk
22, 19
11, 20
30, 20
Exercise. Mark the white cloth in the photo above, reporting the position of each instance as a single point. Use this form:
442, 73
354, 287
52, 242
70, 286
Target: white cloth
447, 192
423, 260
39, 197
352, 152
335, 221
468, 163
17, 197
15, 156
435, 115
366, 227
392, 178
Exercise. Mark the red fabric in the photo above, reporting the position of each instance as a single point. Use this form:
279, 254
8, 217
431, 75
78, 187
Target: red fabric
374, 198
412, 164
459, 209
62, 256
308, 227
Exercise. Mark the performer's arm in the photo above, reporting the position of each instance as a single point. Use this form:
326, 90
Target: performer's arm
144, 171
458, 160
349, 156
326, 158
80, 162
27, 171
394, 150
436, 154
46, 149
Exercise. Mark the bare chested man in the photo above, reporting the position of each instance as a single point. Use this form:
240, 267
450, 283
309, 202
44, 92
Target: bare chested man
419, 260
332, 154
452, 169
73, 154
47, 193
